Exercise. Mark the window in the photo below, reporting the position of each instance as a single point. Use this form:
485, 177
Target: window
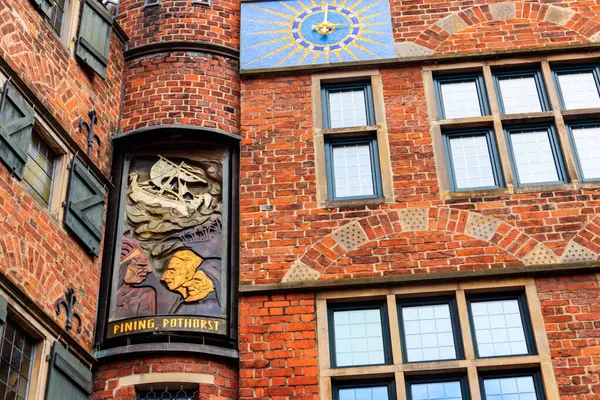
515, 385
461, 97
501, 326
535, 155
440, 388
586, 143
411, 337
429, 330
39, 168
521, 92
347, 105
578, 86
164, 393
57, 16
371, 390
353, 168
359, 335
472, 160
16, 363
352, 158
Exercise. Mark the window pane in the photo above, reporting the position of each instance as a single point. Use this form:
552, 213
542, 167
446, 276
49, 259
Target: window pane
579, 90
364, 393
534, 157
358, 337
15, 366
520, 95
428, 333
352, 170
39, 169
472, 162
460, 100
436, 391
498, 328
587, 144
167, 394
347, 108
513, 388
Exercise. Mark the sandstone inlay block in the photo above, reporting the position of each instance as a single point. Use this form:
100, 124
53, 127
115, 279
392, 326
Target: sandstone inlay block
300, 272
540, 255
502, 11
577, 253
409, 49
559, 15
413, 219
350, 236
452, 24
481, 226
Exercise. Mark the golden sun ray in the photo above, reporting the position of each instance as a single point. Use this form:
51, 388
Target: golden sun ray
364, 39
270, 32
317, 54
337, 53
355, 4
281, 39
373, 32
283, 60
277, 50
347, 48
286, 16
369, 52
269, 22
301, 3
292, 9
373, 23
373, 15
306, 53
362, 10
327, 57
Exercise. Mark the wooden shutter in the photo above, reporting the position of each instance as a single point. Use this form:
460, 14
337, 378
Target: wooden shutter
45, 6
93, 43
16, 124
3, 313
84, 214
68, 379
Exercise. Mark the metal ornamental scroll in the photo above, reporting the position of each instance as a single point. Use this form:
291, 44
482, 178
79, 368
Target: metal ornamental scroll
170, 274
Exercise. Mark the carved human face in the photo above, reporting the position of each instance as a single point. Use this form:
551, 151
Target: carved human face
138, 269
199, 287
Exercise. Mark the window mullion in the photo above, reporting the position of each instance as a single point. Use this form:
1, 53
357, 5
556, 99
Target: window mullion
473, 379
465, 325
394, 329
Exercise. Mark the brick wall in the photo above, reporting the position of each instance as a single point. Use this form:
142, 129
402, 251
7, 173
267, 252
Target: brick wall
107, 386
176, 20
36, 252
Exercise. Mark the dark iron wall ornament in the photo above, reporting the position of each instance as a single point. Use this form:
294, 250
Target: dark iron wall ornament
69, 302
90, 129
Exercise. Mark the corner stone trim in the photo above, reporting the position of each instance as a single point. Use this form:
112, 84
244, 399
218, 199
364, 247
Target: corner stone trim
300, 272
481, 226
350, 236
540, 255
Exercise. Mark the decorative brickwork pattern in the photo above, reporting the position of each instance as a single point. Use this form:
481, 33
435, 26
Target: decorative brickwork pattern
577, 253
481, 227
350, 236
540, 255
300, 273
413, 219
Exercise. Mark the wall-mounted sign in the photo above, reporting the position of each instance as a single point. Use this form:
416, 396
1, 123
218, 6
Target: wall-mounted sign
303, 32
169, 271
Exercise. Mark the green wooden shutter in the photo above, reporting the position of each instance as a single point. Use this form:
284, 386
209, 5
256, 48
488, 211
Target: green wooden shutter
45, 6
68, 379
93, 43
3, 313
16, 124
84, 214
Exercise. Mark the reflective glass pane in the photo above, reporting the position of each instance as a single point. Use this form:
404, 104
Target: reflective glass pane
511, 388
347, 108
533, 156
15, 368
471, 161
358, 337
519, 94
498, 328
579, 90
436, 391
460, 99
364, 393
428, 333
165, 393
587, 144
352, 170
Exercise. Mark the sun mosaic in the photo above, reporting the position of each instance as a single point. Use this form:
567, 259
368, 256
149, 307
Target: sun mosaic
304, 32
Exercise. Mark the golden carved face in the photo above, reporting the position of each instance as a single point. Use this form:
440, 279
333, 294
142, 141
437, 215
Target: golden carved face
180, 269
198, 287
138, 268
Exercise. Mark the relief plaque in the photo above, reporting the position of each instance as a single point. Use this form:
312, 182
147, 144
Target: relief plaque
170, 271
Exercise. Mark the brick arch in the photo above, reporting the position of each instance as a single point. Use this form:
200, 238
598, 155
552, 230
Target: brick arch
353, 235
433, 37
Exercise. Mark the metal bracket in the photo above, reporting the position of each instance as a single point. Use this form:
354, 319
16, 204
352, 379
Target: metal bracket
91, 135
69, 301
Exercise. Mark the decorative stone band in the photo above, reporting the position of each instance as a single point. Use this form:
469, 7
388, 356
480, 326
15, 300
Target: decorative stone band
173, 46
584, 247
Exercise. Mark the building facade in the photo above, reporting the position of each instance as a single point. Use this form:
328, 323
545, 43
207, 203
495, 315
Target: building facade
334, 200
